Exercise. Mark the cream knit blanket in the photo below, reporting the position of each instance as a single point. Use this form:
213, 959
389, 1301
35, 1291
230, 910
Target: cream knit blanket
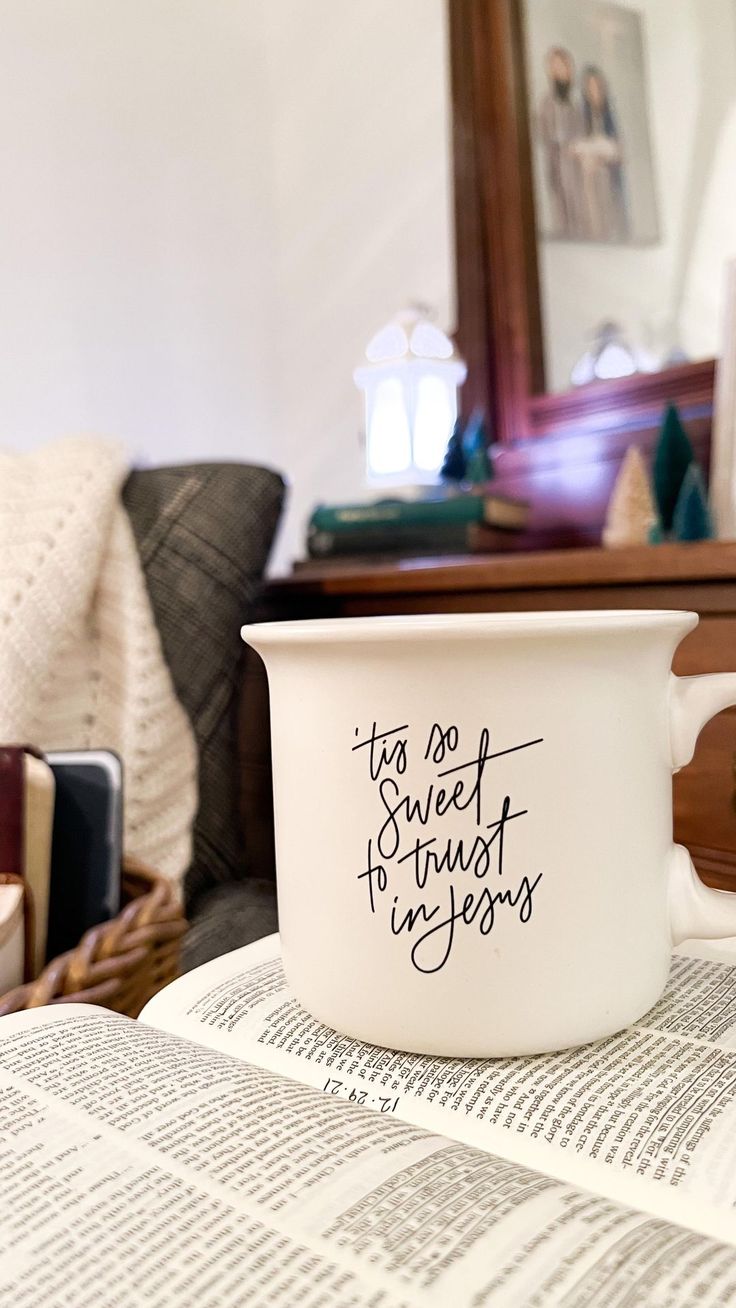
81, 664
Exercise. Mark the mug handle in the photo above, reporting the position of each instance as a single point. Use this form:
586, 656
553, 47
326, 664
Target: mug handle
696, 911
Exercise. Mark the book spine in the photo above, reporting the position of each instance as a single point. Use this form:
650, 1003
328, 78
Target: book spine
395, 539
11, 809
455, 509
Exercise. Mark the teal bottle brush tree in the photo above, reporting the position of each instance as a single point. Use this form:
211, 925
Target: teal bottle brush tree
672, 458
679, 486
691, 519
467, 461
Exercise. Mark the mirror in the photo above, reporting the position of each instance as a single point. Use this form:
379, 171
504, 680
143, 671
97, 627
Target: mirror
631, 109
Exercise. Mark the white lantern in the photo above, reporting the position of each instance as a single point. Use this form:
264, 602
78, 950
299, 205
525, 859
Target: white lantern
410, 382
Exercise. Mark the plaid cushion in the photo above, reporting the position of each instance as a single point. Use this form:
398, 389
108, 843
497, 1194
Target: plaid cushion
204, 532
226, 918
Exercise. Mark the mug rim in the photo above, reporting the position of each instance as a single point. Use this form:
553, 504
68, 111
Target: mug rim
386, 627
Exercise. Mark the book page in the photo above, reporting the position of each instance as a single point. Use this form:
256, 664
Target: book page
137, 1167
646, 1117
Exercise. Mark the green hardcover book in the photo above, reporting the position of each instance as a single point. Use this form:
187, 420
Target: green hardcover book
494, 510
393, 538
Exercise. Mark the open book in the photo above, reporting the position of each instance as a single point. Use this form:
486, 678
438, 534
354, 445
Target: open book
226, 1149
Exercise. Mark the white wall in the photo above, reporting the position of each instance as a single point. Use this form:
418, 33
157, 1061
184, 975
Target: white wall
362, 178
208, 207
136, 259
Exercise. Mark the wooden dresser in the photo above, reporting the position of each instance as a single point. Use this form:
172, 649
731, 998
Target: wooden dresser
701, 577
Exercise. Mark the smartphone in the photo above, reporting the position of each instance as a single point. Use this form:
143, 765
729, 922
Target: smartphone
86, 844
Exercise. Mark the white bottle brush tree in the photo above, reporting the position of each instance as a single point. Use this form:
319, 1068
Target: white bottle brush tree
631, 512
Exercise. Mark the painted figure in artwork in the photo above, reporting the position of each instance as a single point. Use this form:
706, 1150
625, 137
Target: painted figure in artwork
560, 123
603, 211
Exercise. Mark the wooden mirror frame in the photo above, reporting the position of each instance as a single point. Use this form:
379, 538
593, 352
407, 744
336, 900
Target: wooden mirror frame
498, 293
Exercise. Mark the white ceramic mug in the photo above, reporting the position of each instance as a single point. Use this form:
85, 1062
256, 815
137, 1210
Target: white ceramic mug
474, 823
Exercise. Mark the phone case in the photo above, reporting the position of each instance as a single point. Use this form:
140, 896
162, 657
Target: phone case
86, 849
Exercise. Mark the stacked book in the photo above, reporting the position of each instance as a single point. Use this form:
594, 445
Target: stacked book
444, 524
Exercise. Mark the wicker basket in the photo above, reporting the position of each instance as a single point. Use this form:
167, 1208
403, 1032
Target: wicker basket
121, 963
